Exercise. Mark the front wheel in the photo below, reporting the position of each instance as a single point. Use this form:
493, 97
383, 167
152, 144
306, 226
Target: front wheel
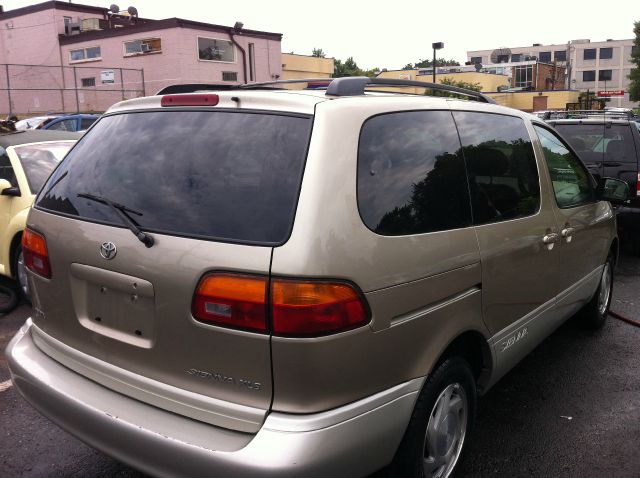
441, 420
594, 313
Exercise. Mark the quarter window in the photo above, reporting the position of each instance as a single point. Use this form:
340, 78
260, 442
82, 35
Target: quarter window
501, 166
572, 183
411, 174
213, 49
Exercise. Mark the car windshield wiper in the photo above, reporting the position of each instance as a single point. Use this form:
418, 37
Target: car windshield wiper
123, 213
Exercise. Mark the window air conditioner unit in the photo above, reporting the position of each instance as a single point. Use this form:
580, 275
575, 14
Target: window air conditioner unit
145, 48
72, 28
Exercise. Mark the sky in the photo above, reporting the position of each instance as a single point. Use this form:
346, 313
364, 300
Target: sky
391, 34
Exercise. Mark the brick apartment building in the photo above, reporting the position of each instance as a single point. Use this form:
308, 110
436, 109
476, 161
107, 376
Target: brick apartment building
61, 56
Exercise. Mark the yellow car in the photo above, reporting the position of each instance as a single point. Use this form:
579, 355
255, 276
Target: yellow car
27, 158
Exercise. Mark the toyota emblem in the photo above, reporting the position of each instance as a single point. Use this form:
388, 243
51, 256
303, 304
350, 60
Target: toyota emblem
108, 250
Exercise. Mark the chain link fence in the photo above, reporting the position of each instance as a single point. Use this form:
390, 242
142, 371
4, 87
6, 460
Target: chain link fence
29, 90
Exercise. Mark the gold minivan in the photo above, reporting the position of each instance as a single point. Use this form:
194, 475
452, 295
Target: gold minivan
269, 282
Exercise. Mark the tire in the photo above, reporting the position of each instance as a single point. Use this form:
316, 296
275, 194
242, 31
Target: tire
8, 298
594, 313
442, 419
21, 275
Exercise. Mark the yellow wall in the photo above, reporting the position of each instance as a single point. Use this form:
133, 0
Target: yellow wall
303, 66
487, 81
523, 100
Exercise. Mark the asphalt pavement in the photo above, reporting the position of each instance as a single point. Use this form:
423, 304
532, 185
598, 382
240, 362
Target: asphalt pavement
569, 409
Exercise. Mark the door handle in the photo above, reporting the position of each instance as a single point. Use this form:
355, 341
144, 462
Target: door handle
567, 233
550, 239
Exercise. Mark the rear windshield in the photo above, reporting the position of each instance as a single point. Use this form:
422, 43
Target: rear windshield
39, 159
594, 142
230, 176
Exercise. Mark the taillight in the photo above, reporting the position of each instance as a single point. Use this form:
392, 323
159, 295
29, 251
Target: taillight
314, 308
235, 301
199, 99
34, 251
299, 308
638, 186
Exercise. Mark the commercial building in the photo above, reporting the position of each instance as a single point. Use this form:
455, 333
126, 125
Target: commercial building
598, 67
306, 66
61, 56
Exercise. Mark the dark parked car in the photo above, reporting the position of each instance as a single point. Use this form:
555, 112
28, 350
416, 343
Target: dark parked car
610, 147
79, 122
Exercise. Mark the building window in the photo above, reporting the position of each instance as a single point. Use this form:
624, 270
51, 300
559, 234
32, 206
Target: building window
516, 57
476, 59
213, 49
85, 54
589, 54
545, 56
606, 53
560, 55
503, 58
589, 75
229, 76
140, 47
88, 82
604, 75
523, 76
634, 50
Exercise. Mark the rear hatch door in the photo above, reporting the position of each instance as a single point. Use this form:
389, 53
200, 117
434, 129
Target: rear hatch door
216, 190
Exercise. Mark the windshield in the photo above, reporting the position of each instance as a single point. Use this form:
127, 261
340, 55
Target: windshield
224, 175
39, 159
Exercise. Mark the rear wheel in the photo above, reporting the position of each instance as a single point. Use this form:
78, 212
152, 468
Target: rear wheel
441, 421
594, 314
21, 274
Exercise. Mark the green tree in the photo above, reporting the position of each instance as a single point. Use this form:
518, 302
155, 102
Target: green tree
318, 53
428, 63
634, 86
462, 84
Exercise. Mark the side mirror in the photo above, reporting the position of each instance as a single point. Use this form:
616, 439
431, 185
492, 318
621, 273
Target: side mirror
613, 190
6, 189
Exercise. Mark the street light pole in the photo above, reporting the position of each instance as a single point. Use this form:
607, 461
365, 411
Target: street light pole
436, 46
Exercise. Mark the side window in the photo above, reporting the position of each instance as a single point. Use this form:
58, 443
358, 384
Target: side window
6, 170
572, 183
501, 166
65, 125
411, 175
86, 123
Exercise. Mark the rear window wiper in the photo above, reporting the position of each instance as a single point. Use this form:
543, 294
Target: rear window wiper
123, 213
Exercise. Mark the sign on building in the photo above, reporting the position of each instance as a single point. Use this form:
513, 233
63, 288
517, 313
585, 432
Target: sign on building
610, 93
107, 76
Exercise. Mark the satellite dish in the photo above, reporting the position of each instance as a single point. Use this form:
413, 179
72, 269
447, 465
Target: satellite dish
114, 8
478, 66
133, 11
500, 55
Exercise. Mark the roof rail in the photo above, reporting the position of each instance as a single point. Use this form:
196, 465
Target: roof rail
355, 85
347, 86
578, 114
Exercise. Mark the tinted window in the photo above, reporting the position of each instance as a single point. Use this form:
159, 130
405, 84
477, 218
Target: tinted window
604, 75
86, 122
501, 165
618, 144
64, 125
572, 183
545, 56
6, 170
589, 75
589, 54
225, 175
411, 178
516, 57
592, 141
560, 55
38, 160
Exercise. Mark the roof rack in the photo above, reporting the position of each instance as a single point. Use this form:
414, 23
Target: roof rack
582, 114
347, 86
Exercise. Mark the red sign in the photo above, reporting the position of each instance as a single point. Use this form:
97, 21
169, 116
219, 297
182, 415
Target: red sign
609, 93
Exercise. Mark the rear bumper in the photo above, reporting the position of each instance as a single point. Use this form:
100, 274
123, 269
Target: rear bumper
353, 440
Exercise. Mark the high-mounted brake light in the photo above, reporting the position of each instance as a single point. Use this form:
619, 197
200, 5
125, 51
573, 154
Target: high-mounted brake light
34, 251
314, 308
197, 99
235, 301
